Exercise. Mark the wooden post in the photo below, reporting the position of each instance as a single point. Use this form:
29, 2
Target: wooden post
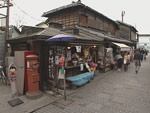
65, 76
104, 60
7, 27
64, 87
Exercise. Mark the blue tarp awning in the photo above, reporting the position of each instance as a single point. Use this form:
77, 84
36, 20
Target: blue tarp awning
61, 37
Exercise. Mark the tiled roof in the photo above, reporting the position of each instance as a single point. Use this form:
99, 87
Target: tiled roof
127, 25
49, 32
105, 36
84, 34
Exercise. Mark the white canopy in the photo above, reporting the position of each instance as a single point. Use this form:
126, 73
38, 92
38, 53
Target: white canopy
123, 46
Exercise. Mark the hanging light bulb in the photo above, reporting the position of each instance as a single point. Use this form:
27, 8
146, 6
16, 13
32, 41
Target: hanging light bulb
69, 47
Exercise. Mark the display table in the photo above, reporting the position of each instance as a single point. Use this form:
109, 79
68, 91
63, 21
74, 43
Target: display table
81, 79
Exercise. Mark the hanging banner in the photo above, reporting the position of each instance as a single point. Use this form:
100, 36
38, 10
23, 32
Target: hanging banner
78, 49
56, 60
88, 67
68, 55
81, 67
51, 63
61, 74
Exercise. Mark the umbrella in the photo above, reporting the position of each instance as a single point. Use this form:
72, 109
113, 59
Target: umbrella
61, 37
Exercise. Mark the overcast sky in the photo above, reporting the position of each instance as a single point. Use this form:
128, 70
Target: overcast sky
29, 12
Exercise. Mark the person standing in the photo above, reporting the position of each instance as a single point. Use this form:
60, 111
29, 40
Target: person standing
118, 57
126, 61
142, 54
145, 53
137, 58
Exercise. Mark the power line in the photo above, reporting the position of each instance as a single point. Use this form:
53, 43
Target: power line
26, 12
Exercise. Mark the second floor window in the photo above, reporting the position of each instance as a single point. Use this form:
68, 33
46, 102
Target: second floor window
83, 20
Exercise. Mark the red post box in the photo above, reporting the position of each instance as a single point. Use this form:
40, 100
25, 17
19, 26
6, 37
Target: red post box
32, 76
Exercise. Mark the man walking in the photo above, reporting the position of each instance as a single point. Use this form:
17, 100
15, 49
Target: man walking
137, 58
119, 58
142, 54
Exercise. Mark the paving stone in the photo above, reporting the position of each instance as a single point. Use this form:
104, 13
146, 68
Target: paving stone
111, 92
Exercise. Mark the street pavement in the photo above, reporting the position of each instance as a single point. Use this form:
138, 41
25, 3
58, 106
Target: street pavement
26, 107
110, 92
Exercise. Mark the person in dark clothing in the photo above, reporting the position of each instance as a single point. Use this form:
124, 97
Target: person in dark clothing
145, 54
142, 54
137, 58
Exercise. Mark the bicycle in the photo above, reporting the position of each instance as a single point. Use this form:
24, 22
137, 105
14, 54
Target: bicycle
3, 77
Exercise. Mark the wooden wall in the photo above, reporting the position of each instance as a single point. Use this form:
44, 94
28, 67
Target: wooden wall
67, 18
133, 36
124, 32
83, 17
99, 22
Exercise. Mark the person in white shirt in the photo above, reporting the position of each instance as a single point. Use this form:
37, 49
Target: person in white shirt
119, 59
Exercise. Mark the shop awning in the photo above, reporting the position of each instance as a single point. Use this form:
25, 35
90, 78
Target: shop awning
60, 37
123, 46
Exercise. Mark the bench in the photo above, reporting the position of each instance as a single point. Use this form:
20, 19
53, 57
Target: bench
81, 79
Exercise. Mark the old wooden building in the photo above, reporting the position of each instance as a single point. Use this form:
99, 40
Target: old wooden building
94, 34
34, 39
79, 14
83, 18
127, 32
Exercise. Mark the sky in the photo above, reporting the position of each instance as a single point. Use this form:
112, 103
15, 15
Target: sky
28, 12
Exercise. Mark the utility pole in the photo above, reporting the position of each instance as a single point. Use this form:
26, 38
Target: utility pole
122, 15
5, 4
7, 22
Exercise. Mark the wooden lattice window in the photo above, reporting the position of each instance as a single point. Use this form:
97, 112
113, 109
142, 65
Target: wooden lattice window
83, 20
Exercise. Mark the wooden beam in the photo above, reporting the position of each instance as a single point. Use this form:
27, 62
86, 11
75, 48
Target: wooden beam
2, 14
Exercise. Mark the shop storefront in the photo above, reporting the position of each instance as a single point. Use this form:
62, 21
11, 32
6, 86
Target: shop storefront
71, 60
76, 57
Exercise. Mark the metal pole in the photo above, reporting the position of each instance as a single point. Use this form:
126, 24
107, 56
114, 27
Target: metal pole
122, 14
64, 76
64, 87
